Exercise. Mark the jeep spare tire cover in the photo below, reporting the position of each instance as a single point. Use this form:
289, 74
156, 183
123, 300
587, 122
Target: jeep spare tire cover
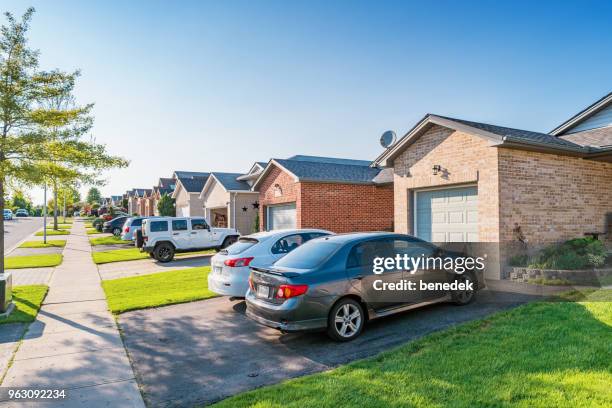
139, 240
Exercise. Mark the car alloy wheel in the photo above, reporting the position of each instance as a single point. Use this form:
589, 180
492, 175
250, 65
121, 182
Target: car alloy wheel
117, 232
346, 320
465, 296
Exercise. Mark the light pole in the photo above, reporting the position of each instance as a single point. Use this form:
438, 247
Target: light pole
45, 214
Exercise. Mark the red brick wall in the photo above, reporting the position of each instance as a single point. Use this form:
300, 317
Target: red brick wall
290, 193
347, 207
333, 206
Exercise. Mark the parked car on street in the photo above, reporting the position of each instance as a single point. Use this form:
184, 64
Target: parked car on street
8, 214
230, 267
131, 225
329, 284
22, 212
162, 237
114, 226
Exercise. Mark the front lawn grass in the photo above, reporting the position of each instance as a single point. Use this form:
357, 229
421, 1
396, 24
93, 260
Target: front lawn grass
32, 261
158, 289
53, 232
545, 354
27, 301
132, 254
57, 243
112, 240
92, 231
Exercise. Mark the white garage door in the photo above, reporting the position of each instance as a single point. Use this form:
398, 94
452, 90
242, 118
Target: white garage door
281, 217
449, 215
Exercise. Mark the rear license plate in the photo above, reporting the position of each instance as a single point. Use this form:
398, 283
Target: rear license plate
218, 270
263, 291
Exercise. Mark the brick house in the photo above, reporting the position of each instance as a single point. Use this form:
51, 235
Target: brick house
133, 200
186, 195
457, 181
164, 186
339, 195
142, 202
229, 201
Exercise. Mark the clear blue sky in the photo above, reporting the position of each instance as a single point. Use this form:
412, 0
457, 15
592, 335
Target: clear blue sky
214, 86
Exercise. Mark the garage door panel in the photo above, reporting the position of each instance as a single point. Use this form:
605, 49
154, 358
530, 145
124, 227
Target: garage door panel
447, 215
281, 217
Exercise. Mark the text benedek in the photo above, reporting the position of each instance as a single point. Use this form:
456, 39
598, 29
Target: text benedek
411, 285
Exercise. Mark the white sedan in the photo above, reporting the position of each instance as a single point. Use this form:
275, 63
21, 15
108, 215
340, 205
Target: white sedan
231, 266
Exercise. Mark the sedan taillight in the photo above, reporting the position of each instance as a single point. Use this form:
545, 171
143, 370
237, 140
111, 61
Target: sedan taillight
127, 229
289, 291
238, 262
251, 285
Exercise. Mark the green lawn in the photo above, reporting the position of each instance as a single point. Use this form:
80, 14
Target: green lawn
159, 289
132, 254
112, 240
53, 232
32, 261
27, 301
545, 354
60, 243
92, 231
88, 225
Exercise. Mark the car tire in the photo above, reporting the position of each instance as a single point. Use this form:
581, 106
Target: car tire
117, 232
346, 320
164, 252
464, 297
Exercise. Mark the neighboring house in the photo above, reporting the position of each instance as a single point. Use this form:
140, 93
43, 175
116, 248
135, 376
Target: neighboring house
141, 198
229, 202
164, 186
149, 203
189, 185
339, 195
116, 201
457, 181
133, 201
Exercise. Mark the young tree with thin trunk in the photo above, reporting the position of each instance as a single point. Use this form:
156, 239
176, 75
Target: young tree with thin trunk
33, 132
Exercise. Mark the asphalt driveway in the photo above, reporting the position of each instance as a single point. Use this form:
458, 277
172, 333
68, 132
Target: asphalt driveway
201, 352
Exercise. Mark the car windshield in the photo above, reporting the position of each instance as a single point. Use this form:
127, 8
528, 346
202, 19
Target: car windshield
241, 245
309, 255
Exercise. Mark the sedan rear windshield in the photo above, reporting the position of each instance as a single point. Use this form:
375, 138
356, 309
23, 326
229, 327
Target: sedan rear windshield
241, 245
309, 255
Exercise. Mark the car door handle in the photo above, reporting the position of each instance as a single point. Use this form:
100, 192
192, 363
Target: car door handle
194, 232
175, 233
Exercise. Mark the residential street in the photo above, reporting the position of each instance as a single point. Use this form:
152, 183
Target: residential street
17, 229
198, 353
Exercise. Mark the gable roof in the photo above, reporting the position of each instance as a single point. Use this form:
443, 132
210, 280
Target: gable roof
228, 181
497, 135
191, 181
324, 170
582, 115
166, 182
138, 192
253, 172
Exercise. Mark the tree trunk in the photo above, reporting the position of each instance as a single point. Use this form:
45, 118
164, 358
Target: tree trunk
2, 225
54, 205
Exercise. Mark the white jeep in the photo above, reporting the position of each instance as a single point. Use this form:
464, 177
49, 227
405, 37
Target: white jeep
162, 237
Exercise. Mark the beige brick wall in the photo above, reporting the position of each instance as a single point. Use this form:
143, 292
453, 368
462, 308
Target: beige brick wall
552, 197
465, 159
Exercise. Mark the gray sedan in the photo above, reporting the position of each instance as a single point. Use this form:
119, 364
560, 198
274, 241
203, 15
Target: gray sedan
329, 284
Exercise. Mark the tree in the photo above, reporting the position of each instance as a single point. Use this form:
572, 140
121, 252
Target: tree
33, 131
20, 200
93, 196
165, 206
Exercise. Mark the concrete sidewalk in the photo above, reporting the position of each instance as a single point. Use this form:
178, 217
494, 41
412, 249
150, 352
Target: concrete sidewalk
74, 344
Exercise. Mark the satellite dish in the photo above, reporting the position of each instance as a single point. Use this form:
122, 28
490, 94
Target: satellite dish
387, 138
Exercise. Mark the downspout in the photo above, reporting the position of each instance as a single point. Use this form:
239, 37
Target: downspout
234, 212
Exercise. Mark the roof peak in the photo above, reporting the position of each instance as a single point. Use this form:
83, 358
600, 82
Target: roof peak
329, 160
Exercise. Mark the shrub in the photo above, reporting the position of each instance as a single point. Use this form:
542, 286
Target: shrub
578, 253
